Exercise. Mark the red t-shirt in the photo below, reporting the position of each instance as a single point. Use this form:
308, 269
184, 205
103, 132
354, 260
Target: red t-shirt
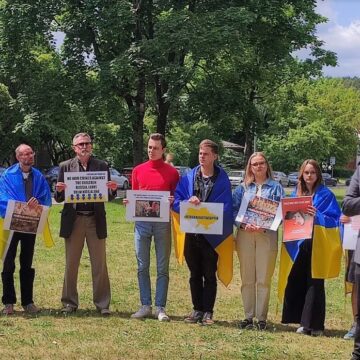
155, 175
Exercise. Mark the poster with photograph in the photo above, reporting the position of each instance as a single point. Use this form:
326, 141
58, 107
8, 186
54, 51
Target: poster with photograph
351, 233
259, 211
205, 218
297, 224
86, 186
148, 205
20, 217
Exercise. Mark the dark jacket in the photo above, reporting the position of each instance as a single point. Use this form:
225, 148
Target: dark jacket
68, 214
351, 204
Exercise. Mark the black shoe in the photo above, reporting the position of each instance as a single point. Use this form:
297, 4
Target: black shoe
247, 324
261, 325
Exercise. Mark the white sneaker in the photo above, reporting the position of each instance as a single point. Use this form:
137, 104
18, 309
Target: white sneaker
161, 314
144, 312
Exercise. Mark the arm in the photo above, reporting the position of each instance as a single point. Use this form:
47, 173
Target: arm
236, 201
59, 195
351, 203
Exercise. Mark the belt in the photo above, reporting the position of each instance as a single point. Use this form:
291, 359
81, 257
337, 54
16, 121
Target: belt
85, 213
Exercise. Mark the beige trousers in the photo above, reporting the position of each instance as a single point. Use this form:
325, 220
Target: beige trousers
85, 228
257, 255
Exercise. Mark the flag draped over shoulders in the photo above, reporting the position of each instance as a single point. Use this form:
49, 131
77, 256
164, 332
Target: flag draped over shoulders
222, 244
326, 243
12, 188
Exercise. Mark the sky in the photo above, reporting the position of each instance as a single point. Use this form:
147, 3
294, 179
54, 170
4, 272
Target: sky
341, 34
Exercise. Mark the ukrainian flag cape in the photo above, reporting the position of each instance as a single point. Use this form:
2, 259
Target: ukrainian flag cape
326, 247
223, 244
12, 187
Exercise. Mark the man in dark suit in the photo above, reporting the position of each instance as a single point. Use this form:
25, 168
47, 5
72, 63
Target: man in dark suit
351, 207
84, 221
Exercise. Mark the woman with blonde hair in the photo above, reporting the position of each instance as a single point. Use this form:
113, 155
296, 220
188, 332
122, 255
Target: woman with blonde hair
256, 247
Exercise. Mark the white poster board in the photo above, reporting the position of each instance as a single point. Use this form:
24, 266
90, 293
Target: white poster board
86, 186
259, 211
350, 236
20, 217
205, 218
148, 206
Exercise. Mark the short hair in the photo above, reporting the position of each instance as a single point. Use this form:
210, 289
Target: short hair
211, 144
83, 134
158, 137
17, 150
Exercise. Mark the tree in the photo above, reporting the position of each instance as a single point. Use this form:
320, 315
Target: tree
312, 119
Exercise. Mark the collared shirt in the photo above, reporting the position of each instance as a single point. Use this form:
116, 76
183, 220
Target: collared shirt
203, 185
270, 189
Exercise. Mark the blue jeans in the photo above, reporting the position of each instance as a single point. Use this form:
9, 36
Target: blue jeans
162, 239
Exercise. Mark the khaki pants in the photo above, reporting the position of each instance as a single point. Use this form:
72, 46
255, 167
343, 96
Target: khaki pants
85, 228
257, 255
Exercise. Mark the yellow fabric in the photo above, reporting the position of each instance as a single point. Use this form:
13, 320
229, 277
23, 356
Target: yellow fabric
47, 237
225, 250
225, 263
4, 236
178, 236
326, 253
285, 267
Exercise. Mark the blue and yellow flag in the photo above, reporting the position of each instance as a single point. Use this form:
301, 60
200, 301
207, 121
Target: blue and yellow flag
326, 246
12, 188
223, 244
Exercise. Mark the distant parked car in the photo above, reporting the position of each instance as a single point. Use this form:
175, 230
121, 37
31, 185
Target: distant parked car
236, 177
121, 180
281, 178
51, 176
328, 180
182, 170
293, 178
127, 171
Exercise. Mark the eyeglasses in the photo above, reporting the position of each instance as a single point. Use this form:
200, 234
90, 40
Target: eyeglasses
260, 163
83, 144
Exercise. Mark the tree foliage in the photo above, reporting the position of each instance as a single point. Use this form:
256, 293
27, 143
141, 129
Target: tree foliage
312, 119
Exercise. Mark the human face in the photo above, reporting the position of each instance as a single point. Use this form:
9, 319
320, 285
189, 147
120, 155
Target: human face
82, 147
206, 157
155, 150
25, 156
258, 166
309, 176
299, 219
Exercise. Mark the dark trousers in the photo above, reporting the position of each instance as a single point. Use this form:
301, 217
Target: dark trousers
27, 273
201, 259
304, 300
356, 353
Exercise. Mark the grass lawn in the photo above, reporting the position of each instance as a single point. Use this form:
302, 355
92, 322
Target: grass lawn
85, 335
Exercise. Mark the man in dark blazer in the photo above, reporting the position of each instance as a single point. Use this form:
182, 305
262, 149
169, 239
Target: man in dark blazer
351, 207
84, 221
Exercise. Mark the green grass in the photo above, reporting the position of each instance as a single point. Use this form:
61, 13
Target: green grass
85, 335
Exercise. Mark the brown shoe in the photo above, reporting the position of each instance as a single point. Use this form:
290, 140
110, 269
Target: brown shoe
68, 309
8, 309
31, 309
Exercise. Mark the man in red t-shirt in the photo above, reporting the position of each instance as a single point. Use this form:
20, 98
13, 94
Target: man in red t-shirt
155, 175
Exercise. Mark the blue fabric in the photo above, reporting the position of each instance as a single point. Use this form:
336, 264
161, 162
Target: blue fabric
12, 187
271, 189
327, 215
221, 193
162, 239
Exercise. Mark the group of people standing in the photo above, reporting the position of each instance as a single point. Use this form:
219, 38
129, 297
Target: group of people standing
205, 255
